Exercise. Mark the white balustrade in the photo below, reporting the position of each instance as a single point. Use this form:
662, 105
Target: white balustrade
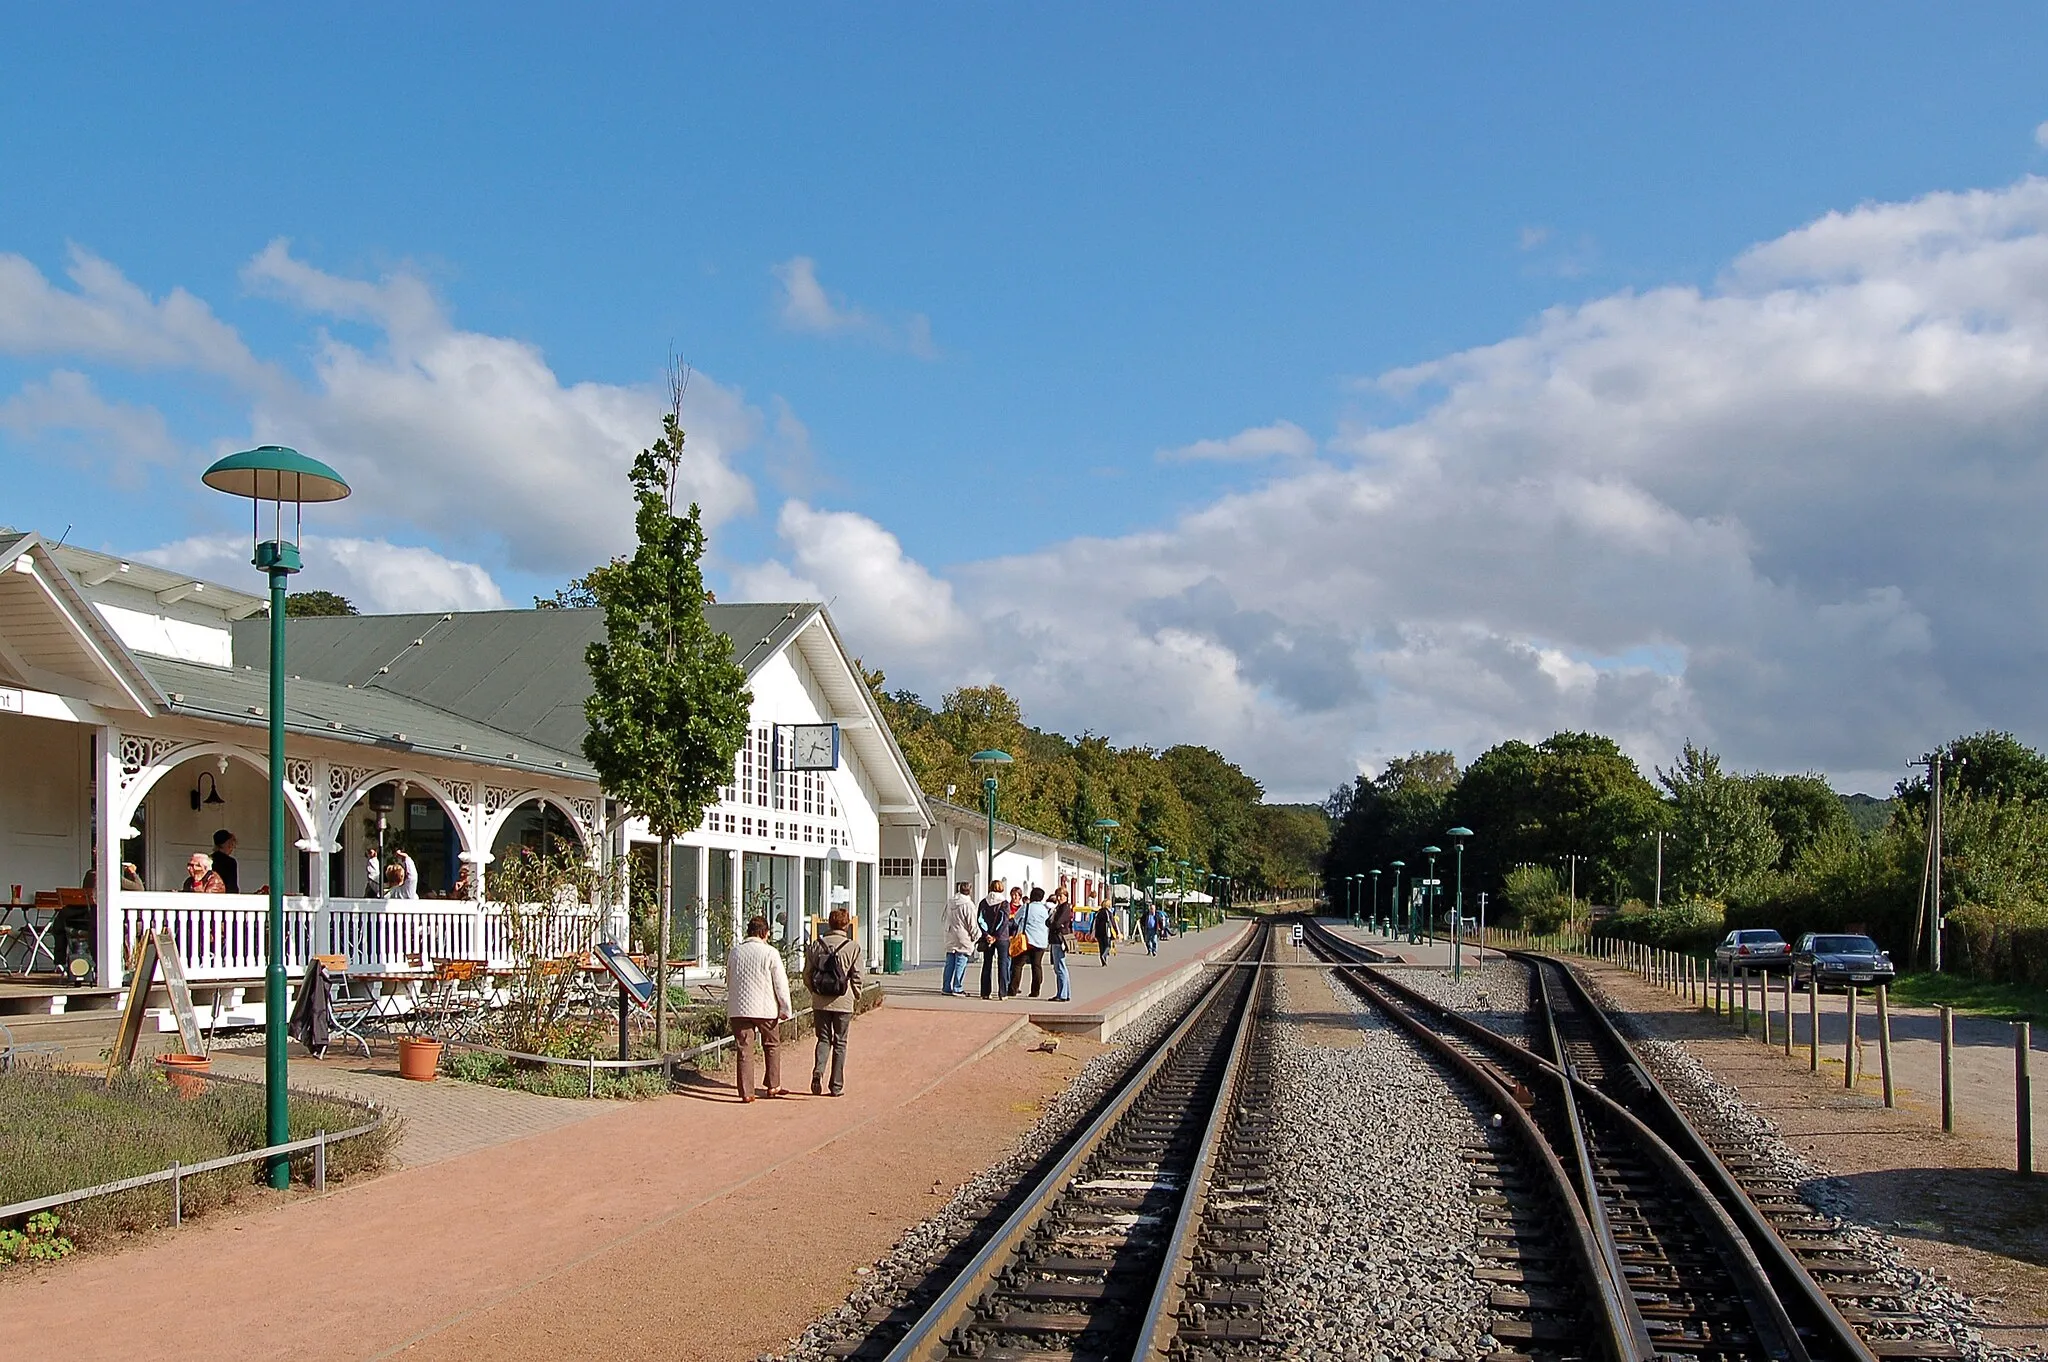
222, 936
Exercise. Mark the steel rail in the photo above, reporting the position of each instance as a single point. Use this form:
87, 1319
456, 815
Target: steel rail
1624, 1336
1785, 1270
928, 1338
1767, 1310
1161, 1325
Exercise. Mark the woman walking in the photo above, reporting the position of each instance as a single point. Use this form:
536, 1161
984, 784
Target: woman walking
1105, 931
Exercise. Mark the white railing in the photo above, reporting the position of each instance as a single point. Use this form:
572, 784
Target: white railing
222, 936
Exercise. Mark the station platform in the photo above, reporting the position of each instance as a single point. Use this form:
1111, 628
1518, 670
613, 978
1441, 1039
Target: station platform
1425, 954
1106, 998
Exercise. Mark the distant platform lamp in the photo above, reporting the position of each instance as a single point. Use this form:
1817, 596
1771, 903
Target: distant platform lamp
278, 476
988, 763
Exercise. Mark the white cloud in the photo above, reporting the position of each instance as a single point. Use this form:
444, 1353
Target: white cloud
108, 318
67, 402
1795, 515
881, 597
2041, 135
1282, 439
377, 576
804, 305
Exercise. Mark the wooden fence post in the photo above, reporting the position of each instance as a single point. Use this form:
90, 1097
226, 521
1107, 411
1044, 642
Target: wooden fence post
1745, 1002
1763, 982
2023, 1092
1884, 1044
1948, 1068
1813, 1026
1849, 1045
1788, 1014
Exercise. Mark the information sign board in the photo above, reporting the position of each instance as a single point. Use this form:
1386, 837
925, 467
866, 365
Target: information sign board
631, 977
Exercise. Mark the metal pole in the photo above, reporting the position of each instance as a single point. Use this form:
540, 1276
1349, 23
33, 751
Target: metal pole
277, 1114
1660, 869
1948, 1068
1458, 920
624, 1051
1884, 1044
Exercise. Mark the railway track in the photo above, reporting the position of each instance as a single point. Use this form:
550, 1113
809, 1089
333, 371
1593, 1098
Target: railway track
1146, 1237
1702, 1265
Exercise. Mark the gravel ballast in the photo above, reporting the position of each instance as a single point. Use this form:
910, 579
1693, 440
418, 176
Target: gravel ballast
1374, 1239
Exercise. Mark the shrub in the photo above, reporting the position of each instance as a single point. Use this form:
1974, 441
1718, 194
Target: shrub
1536, 898
2007, 943
1691, 925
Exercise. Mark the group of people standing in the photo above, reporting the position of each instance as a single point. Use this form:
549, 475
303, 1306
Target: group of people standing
1013, 931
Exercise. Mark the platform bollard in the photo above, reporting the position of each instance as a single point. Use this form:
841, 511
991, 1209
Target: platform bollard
320, 1161
2023, 1093
1948, 1068
1884, 1044
1849, 1044
1813, 1026
1788, 1014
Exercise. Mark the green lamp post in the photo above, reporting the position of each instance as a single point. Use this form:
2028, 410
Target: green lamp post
1152, 853
1458, 836
988, 763
279, 476
1400, 910
1376, 898
1429, 894
1104, 827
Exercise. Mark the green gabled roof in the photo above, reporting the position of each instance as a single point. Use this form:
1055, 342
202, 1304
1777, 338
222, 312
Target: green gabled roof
520, 672
344, 713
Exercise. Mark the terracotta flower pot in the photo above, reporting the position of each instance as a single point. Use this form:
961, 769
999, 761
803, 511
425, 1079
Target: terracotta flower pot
418, 1058
183, 1071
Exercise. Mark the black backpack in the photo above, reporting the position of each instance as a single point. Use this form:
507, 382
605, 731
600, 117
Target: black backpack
826, 978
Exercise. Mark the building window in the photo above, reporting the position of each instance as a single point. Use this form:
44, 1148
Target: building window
895, 867
935, 867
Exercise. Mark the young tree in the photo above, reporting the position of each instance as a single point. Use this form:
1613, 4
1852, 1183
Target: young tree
668, 706
1724, 833
304, 604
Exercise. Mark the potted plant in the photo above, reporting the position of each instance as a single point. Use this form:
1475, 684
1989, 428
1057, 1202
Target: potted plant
183, 1072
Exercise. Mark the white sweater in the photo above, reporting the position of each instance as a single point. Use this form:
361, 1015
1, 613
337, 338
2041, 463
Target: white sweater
755, 983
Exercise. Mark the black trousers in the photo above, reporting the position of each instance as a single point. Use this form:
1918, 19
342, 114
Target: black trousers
1035, 957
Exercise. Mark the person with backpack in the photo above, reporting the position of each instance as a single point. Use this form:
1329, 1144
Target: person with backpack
832, 974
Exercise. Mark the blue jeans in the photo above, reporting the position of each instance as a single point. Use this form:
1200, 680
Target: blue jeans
1152, 942
1060, 992
955, 978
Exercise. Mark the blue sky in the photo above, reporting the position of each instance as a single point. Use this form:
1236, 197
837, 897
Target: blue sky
1053, 242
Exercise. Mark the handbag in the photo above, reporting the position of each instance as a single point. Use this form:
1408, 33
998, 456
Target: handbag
1018, 945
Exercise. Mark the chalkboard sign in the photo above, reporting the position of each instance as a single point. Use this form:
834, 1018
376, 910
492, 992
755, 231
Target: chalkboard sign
631, 977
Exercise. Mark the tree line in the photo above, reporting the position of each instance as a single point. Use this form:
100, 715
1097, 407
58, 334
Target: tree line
1190, 800
1738, 849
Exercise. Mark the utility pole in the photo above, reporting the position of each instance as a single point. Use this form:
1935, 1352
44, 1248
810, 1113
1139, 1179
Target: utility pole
1660, 869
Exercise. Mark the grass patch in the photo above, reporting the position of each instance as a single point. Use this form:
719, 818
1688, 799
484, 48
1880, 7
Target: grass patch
67, 1130
1979, 997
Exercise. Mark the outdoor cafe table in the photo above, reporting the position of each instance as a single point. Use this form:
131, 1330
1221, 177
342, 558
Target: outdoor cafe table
28, 935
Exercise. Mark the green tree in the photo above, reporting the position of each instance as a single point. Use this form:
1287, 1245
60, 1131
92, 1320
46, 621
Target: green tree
668, 706
1988, 765
304, 604
1803, 809
1723, 832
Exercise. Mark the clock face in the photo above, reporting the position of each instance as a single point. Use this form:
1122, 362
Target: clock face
814, 747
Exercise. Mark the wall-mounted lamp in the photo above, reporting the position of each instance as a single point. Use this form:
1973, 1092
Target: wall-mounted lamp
211, 786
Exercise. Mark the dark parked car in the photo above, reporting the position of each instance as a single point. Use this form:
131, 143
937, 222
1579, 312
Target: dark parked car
1757, 948
1840, 959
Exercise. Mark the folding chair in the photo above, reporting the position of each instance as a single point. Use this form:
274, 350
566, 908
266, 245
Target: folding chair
347, 1009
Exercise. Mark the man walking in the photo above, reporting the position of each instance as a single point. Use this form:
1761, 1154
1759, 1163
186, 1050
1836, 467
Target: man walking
832, 973
961, 935
756, 1004
224, 863
1150, 925
995, 940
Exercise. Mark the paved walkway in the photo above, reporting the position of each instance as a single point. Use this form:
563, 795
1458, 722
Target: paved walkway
443, 1119
641, 1225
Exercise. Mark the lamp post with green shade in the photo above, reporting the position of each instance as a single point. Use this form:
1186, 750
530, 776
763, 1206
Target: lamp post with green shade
988, 763
1376, 897
1398, 909
1152, 853
1180, 893
1357, 887
1458, 836
1104, 827
280, 477
1429, 895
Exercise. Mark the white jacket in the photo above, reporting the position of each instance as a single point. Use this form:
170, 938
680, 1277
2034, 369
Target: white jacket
756, 985
963, 929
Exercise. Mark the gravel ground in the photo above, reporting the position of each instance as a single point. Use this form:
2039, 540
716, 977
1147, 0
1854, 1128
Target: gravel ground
912, 1257
1499, 1000
1951, 1314
1374, 1241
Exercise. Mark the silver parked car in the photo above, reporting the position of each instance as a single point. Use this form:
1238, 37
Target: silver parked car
1840, 959
1757, 948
